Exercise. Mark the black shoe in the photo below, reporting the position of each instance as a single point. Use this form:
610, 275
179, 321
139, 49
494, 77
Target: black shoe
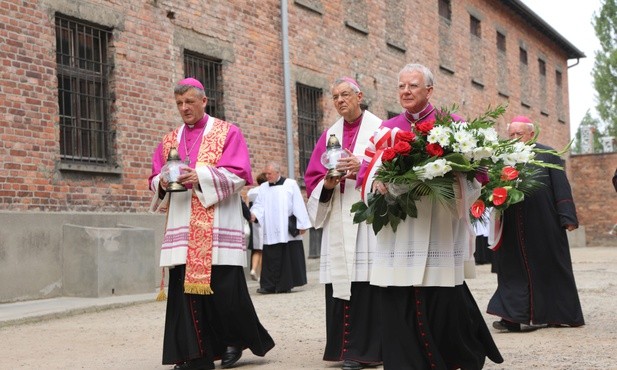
352, 365
264, 291
198, 364
231, 356
504, 325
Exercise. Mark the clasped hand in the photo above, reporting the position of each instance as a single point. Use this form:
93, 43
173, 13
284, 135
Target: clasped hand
187, 176
379, 187
350, 165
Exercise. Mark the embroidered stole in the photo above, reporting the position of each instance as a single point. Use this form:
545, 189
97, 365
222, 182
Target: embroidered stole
201, 223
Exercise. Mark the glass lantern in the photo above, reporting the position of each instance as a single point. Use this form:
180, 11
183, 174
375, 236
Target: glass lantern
331, 156
171, 171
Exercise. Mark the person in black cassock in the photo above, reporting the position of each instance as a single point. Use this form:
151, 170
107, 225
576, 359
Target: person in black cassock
209, 314
280, 210
535, 282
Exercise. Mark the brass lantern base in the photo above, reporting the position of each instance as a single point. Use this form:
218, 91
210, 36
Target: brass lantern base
175, 187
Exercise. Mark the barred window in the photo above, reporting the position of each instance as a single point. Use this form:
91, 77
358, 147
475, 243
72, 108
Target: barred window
209, 72
84, 101
309, 116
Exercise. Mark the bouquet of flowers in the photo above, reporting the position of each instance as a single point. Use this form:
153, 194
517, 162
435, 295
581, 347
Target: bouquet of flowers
424, 161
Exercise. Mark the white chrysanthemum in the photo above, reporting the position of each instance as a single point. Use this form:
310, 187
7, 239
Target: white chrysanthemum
464, 143
464, 136
468, 146
434, 169
439, 134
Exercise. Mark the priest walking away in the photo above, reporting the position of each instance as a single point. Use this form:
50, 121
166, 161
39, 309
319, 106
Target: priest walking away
280, 210
209, 315
535, 281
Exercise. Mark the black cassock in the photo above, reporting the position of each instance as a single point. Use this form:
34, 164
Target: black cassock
535, 282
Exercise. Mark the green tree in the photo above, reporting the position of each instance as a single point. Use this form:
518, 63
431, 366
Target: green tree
588, 120
605, 66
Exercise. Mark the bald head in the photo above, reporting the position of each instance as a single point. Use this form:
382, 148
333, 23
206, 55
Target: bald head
521, 128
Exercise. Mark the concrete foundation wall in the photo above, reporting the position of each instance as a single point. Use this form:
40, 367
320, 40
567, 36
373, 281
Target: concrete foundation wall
104, 261
35, 253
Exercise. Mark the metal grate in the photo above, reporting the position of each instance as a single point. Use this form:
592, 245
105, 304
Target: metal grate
209, 72
309, 116
83, 91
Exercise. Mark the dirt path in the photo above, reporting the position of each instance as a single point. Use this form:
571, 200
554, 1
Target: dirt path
130, 337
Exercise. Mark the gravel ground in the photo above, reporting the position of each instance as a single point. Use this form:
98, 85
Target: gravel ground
131, 337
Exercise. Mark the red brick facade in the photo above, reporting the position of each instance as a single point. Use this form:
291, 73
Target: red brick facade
595, 197
369, 40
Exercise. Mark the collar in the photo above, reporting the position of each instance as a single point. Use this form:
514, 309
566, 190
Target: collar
280, 181
200, 124
355, 122
416, 117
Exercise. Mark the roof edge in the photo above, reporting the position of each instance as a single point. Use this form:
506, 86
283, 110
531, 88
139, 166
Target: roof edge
535, 20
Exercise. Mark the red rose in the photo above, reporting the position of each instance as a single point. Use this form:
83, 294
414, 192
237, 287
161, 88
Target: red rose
405, 136
402, 147
434, 150
499, 196
425, 127
509, 173
477, 208
388, 155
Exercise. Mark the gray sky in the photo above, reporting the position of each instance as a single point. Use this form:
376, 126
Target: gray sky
572, 19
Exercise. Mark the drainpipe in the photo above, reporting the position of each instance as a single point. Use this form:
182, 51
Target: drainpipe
287, 87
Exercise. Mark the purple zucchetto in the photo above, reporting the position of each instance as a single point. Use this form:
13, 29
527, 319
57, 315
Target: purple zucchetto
523, 119
190, 81
351, 81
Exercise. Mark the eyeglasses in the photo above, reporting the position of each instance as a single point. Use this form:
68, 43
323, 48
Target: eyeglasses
517, 134
345, 95
412, 87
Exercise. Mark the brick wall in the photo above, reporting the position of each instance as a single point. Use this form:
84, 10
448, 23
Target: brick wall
149, 38
596, 201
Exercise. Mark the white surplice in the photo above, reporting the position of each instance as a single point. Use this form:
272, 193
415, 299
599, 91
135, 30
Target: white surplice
220, 188
272, 208
434, 249
346, 248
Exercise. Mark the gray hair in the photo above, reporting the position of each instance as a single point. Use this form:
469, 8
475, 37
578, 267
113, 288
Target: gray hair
182, 89
345, 80
275, 166
413, 67
528, 125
